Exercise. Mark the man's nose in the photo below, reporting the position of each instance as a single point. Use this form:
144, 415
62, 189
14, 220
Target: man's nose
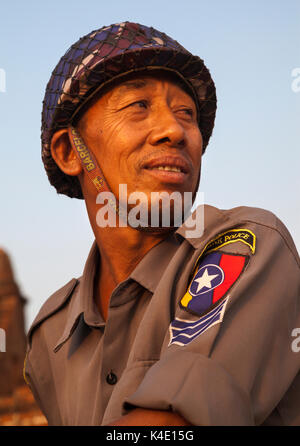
167, 129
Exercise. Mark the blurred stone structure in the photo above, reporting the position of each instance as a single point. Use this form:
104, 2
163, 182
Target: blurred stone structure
17, 405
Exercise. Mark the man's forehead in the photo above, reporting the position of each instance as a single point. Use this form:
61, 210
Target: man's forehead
139, 81
135, 84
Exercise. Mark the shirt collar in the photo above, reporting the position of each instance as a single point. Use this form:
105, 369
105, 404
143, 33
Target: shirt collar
150, 269
209, 219
147, 273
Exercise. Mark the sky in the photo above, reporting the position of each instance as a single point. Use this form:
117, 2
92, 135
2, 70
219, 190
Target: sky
253, 159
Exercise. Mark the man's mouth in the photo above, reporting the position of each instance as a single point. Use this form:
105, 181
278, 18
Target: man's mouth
169, 163
168, 169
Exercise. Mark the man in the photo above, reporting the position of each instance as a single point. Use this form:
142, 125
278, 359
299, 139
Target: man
166, 326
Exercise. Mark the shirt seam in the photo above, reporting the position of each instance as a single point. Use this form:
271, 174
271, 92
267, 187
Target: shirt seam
282, 236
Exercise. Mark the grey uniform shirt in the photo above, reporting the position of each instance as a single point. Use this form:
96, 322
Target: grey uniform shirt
203, 326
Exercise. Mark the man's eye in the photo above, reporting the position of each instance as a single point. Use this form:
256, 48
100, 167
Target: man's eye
141, 104
187, 111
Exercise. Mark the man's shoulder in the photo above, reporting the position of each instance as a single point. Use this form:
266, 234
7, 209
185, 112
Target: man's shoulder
261, 222
53, 304
247, 214
262, 218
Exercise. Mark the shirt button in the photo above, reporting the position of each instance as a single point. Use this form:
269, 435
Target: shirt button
111, 378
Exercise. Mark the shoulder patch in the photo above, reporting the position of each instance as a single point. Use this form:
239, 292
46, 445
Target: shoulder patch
233, 235
213, 278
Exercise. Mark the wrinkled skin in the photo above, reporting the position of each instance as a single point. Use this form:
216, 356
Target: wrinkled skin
140, 121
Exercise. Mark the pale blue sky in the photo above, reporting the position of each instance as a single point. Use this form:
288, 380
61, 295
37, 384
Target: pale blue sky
250, 47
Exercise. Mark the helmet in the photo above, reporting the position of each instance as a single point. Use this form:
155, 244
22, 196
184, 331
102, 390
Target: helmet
99, 58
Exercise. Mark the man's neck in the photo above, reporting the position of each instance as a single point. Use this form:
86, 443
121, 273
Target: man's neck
121, 249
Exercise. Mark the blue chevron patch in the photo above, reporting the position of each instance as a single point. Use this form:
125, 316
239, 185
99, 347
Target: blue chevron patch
182, 331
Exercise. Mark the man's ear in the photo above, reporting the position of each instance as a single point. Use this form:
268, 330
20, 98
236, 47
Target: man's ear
63, 153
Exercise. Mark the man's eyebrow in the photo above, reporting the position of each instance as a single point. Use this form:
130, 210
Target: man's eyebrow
131, 85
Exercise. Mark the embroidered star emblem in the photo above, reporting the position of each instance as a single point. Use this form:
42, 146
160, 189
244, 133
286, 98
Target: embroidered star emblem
205, 280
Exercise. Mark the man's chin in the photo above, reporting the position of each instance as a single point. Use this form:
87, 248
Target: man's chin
156, 218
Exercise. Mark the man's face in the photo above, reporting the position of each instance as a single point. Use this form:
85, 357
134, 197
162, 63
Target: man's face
144, 133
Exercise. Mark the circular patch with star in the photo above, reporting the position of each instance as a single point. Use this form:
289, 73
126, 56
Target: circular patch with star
207, 278
215, 275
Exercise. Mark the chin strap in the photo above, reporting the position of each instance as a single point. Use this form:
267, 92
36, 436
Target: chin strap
88, 161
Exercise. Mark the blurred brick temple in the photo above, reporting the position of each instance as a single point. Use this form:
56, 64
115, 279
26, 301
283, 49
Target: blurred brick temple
17, 405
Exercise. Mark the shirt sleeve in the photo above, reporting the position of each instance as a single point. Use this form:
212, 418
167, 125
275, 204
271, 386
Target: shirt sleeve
250, 364
30, 379
37, 375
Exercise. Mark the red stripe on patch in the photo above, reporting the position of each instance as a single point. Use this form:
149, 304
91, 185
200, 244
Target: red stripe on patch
232, 266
